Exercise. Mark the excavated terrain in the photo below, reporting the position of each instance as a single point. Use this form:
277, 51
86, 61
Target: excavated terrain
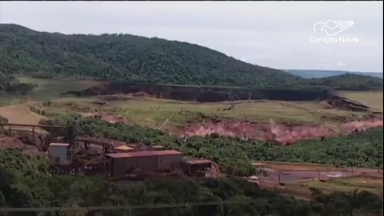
215, 94
282, 133
19, 140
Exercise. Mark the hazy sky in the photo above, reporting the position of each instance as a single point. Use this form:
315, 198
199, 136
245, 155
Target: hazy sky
273, 34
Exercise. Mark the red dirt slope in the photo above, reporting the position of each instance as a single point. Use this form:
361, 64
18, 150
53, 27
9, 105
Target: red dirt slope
283, 133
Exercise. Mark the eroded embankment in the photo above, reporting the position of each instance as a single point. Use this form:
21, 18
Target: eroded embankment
218, 94
283, 133
343, 103
201, 93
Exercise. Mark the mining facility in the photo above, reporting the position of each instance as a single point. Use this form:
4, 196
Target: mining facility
82, 155
126, 163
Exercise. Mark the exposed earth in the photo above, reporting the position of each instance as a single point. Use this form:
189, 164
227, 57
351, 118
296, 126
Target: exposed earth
283, 133
221, 110
215, 94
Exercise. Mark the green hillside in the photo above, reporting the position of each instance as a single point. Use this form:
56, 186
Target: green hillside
350, 82
128, 57
131, 58
329, 73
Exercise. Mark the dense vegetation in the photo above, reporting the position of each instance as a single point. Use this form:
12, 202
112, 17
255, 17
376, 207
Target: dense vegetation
24, 182
12, 84
329, 73
235, 155
145, 60
349, 82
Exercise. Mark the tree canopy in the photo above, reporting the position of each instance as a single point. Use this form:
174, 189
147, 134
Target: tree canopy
25, 181
132, 58
235, 155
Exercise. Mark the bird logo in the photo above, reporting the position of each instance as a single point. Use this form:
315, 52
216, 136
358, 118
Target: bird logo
333, 27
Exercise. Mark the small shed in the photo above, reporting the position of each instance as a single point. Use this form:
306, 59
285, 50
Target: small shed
194, 166
151, 161
59, 154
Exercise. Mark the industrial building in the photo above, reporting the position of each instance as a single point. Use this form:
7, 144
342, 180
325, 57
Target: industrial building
59, 154
152, 161
197, 167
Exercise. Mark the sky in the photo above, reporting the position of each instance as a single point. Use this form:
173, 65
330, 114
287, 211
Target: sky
272, 34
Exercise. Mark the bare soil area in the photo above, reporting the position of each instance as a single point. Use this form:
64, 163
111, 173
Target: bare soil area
108, 117
282, 133
9, 142
289, 173
20, 114
215, 94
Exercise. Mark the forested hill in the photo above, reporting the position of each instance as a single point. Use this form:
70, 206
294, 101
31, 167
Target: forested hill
128, 57
330, 73
349, 82
134, 59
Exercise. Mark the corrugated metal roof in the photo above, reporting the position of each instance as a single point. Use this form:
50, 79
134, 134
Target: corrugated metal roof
59, 144
158, 146
124, 148
198, 161
143, 154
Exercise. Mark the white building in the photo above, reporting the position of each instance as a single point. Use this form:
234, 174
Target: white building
59, 154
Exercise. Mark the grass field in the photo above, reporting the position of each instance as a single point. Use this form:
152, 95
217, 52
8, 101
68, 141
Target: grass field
371, 99
48, 88
155, 112
374, 185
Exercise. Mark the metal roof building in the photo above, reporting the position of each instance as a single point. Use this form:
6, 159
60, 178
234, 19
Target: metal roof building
124, 148
145, 160
59, 154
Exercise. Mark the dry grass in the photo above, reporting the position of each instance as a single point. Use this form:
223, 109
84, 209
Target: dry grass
372, 99
153, 112
374, 185
53, 88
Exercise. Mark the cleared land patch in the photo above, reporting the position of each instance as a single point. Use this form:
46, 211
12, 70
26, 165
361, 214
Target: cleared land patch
373, 99
285, 166
284, 121
299, 179
53, 88
142, 110
21, 114
349, 184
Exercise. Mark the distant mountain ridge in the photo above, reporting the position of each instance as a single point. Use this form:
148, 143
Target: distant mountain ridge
136, 59
309, 74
